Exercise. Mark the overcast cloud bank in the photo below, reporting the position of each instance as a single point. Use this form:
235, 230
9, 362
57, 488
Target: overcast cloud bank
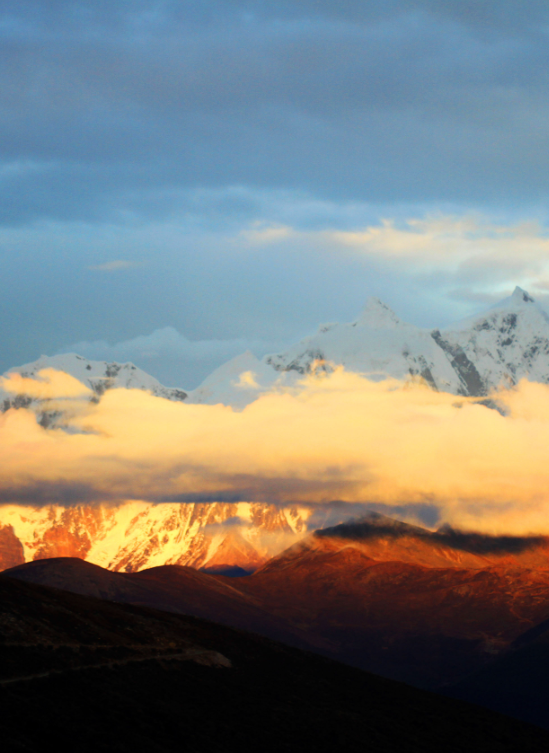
242, 170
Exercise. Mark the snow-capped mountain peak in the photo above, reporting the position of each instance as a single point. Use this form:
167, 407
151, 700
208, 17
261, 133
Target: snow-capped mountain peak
98, 376
377, 314
521, 296
473, 357
519, 302
506, 343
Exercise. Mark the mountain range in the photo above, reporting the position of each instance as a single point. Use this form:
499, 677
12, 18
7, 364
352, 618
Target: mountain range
498, 347
464, 614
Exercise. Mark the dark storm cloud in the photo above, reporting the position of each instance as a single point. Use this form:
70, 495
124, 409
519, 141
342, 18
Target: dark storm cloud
103, 103
46, 493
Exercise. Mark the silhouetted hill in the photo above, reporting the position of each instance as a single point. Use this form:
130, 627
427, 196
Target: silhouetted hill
84, 675
172, 588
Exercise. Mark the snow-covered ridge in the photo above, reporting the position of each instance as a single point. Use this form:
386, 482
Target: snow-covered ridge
500, 346
508, 342
98, 376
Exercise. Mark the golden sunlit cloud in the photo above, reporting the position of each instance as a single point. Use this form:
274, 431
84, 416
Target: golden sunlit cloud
49, 384
453, 244
448, 240
247, 380
340, 437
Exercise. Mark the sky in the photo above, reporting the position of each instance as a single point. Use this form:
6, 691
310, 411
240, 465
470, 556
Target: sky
182, 181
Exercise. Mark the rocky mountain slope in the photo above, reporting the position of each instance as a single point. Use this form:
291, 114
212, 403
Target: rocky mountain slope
422, 607
136, 535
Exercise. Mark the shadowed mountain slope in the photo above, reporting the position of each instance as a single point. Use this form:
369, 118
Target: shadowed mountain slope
92, 675
425, 625
172, 588
516, 683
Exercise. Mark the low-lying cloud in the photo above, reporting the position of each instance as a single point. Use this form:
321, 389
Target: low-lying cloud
338, 438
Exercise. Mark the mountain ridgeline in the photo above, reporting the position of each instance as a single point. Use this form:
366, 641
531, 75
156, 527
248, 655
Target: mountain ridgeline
496, 348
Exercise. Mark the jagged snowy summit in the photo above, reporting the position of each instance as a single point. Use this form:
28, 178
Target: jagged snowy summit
500, 346
99, 376
507, 343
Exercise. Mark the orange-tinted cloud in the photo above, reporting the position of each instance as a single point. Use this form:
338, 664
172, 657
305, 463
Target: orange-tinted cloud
341, 437
49, 384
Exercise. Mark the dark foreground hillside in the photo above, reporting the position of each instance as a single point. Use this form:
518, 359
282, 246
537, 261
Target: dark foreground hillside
82, 674
516, 683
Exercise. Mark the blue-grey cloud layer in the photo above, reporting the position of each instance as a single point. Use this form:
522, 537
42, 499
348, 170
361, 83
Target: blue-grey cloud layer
120, 115
394, 101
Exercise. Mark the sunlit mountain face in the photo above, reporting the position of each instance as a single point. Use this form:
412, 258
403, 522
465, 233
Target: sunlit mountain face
134, 535
106, 464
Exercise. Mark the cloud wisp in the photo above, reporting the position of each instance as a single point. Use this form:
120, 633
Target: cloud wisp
113, 266
465, 252
340, 438
442, 241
